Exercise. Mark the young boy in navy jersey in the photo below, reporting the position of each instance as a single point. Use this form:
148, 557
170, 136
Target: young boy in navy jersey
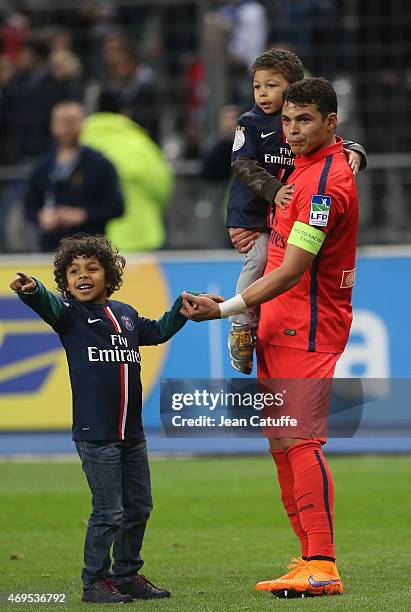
101, 338
262, 161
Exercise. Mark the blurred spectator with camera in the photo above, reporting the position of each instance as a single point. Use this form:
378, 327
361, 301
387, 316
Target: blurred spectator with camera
72, 188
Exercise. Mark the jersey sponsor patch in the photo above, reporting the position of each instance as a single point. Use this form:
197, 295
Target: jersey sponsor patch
239, 138
128, 323
347, 279
320, 210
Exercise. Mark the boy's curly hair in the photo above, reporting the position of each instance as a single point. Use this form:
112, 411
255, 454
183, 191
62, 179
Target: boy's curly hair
283, 61
88, 246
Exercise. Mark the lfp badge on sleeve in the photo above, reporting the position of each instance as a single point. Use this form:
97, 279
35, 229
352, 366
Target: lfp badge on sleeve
320, 210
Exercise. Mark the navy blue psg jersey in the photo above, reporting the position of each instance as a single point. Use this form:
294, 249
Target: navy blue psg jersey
259, 137
102, 346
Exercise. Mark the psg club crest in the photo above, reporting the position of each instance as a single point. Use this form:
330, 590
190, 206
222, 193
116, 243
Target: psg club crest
128, 323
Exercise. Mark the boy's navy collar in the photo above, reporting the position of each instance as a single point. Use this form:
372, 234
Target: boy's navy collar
90, 305
256, 109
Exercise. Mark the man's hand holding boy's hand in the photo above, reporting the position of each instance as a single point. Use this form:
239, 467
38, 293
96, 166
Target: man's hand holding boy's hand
23, 283
201, 307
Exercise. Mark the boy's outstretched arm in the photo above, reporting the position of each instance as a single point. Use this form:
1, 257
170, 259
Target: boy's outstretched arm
157, 332
33, 293
172, 321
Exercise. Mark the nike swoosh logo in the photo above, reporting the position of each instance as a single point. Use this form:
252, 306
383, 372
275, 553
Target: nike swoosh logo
269, 134
320, 583
93, 320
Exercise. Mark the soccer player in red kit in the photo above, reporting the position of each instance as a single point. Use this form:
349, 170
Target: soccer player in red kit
303, 331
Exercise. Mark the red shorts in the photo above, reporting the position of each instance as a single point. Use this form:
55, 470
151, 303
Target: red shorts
305, 380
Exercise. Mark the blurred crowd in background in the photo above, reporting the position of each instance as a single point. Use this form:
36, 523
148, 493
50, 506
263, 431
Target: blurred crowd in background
180, 73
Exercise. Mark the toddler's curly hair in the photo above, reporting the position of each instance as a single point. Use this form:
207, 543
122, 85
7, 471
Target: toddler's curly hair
283, 61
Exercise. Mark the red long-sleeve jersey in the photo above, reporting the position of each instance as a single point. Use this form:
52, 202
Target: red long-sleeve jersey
316, 314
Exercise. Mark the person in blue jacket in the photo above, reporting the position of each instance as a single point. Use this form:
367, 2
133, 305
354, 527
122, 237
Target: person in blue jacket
72, 188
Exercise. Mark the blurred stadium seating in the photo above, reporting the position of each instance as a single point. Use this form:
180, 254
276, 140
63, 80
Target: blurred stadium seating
192, 58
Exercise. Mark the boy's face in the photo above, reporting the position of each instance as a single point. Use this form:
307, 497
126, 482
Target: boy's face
268, 90
305, 128
86, 280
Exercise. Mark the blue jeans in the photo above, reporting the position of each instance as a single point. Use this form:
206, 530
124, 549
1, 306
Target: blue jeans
118, 475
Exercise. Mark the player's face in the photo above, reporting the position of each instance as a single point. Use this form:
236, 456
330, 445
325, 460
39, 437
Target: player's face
305, 128
268, 90
86, 280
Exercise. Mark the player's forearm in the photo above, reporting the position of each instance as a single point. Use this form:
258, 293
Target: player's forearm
263, 290
270, 286
43, 302
263, 184
171, 322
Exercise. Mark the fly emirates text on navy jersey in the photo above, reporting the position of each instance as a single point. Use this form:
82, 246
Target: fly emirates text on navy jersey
120, 353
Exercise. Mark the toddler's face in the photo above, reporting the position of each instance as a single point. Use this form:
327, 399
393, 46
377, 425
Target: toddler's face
268, 90
86, 280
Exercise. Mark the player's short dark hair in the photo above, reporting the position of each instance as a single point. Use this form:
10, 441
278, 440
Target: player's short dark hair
89, 246
316, 90
283, 61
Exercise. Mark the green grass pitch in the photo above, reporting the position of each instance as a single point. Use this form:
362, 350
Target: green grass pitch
217, 528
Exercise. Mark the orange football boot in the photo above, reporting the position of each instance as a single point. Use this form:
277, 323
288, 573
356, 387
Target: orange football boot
312, 579
296, 564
